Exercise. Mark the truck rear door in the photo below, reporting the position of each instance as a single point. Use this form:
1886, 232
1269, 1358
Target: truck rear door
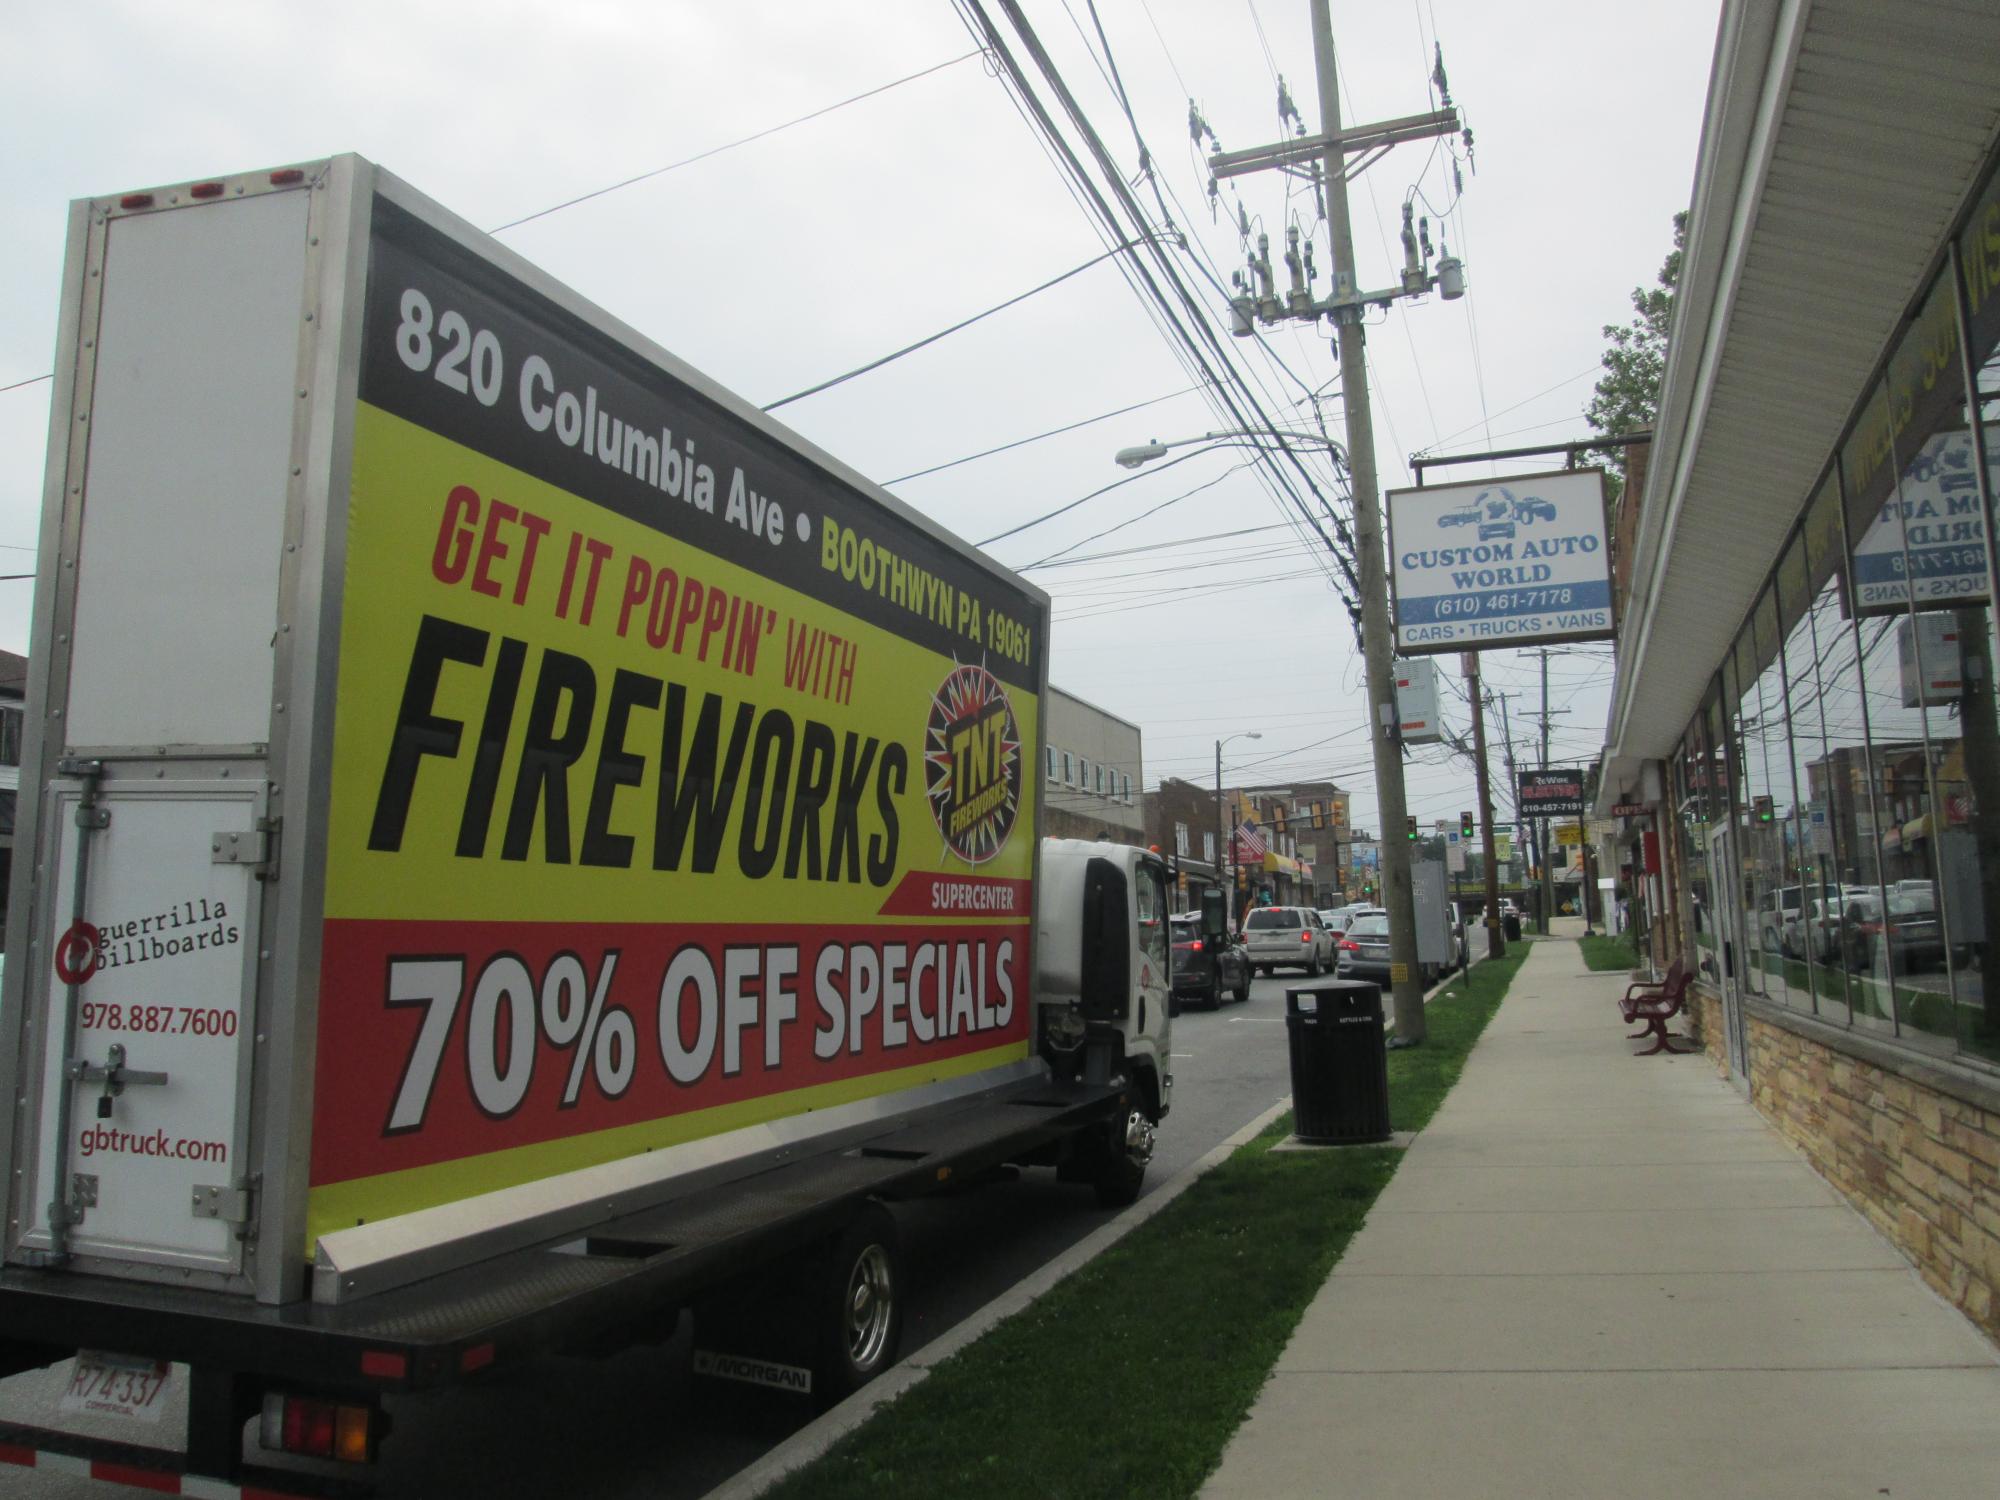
164, 622
149, 998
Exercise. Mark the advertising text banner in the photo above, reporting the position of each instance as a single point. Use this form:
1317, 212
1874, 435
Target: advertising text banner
1500, 563
1551, 793
678, 784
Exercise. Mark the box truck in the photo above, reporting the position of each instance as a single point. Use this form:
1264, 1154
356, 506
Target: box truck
515, 847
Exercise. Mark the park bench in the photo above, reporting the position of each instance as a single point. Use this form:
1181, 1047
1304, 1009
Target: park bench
1657, 1004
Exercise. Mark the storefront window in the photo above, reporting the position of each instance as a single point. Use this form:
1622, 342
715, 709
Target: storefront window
1916, 558
1829, 760
1969, 789
1769, 843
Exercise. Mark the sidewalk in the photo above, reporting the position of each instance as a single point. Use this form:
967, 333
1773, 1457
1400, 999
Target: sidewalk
1600, 1275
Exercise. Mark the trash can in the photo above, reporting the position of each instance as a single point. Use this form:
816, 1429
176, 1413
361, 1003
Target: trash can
1340, 1062
1510, 926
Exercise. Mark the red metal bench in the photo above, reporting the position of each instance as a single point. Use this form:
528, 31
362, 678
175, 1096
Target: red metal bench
1656, 1005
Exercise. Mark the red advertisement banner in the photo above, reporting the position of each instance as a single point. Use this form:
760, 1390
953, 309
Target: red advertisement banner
445, 1040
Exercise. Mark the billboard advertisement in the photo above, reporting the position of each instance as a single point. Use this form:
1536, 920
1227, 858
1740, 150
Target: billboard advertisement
1500, 563
678, 783
1550, 793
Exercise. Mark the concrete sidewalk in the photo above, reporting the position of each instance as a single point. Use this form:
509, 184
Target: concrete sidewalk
1600, 1275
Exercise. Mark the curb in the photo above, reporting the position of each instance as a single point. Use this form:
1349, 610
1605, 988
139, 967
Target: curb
812, 1441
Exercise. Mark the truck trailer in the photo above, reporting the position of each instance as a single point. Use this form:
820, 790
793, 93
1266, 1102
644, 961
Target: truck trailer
515, 848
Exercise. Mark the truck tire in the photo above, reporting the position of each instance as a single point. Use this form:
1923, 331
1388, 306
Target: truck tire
1123, 1170
860, 1306
1242, 991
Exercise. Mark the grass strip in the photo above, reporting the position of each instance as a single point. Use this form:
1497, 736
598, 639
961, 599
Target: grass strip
1604, 952
1131, 1376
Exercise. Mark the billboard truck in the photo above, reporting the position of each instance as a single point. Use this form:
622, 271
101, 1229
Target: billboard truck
518, 846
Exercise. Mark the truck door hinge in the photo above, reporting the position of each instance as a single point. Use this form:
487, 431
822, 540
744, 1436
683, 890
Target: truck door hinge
235, 1203
256, 848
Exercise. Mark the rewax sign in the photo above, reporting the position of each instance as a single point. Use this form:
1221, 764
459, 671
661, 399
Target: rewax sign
1501, 563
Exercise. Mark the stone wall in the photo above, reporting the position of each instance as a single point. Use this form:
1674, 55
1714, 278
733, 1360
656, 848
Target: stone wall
1922, 1165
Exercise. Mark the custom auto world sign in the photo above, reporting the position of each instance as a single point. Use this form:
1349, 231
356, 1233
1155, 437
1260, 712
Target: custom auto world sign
1501, 562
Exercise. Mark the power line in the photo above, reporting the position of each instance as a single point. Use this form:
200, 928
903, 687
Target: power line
1052, 432
543, 213
876, 364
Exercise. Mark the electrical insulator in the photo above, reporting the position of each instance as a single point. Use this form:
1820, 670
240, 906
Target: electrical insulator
1423, 232
1195, 126
1286, 110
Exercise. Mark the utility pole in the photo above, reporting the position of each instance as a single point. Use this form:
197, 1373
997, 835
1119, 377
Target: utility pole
1546, 835
1494, 943
1521, 829
1376, 640
1346, 306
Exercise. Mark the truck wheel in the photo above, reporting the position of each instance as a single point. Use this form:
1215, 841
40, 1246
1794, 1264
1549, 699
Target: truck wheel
1243, 990
1123, 1169
861, 1306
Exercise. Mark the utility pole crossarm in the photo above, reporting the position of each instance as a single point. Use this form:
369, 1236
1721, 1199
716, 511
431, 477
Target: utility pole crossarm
1304, 149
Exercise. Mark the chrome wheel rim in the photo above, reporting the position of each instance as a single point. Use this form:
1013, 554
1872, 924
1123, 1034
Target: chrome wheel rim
870, 1305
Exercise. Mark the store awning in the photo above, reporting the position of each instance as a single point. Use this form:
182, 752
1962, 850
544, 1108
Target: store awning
1820, 203
1279, 864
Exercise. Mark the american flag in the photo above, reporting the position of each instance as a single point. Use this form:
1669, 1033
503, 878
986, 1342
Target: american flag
1250, 842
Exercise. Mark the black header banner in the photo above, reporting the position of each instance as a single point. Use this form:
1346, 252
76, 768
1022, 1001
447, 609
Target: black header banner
457, 346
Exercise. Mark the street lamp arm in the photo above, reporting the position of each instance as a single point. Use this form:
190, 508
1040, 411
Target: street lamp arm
1145, 453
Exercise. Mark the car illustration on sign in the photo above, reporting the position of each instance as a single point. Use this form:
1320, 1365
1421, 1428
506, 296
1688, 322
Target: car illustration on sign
1498, 511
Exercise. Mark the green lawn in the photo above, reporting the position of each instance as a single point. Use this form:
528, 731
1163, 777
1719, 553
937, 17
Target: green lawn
1602, 952
1130, 1377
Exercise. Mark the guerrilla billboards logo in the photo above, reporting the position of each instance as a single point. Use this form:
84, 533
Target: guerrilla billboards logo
187, 927
972, 764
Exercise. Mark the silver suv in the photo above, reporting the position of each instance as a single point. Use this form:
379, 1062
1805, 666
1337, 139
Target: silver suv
1288, 937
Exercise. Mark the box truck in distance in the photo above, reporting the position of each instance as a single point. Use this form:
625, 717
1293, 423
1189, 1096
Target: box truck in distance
515, 847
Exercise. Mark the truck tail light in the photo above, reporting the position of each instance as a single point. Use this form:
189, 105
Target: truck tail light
1195, 946
1305, 937
206, 190
316, 1428
287, 176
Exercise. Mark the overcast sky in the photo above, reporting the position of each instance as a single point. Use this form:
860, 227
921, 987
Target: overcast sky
823, 246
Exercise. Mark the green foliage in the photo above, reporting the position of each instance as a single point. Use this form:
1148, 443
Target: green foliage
1627, 397
1131, 1376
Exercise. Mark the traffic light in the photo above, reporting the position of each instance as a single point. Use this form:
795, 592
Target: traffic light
1761, 808
1465, 825
1412, 828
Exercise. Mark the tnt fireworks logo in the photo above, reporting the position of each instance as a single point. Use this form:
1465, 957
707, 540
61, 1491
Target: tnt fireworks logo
972, 764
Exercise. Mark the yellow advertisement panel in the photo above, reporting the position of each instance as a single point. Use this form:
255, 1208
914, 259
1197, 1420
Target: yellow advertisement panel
678, 783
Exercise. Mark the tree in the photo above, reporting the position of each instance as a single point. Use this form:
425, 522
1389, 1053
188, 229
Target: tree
1627, 397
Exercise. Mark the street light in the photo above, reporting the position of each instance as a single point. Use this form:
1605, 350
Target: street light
1145, 453
1245, 734
1378, 653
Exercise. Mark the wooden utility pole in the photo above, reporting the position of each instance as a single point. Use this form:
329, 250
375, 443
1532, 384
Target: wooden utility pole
1495, 944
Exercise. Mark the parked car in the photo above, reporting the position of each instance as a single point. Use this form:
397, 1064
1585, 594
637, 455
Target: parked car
1364, 951
1909, 936
1338, 918
1814, 931
1288, 937
1207, 970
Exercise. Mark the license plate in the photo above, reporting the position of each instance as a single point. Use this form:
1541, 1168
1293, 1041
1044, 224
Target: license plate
116, 1385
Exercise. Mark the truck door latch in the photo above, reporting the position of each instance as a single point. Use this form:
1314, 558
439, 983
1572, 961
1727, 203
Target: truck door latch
256, 847
113, 1074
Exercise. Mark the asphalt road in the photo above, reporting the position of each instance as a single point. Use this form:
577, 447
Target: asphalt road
637, 1425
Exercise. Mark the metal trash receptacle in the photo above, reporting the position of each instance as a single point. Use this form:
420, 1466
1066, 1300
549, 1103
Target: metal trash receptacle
1510, 927
1340, 1062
